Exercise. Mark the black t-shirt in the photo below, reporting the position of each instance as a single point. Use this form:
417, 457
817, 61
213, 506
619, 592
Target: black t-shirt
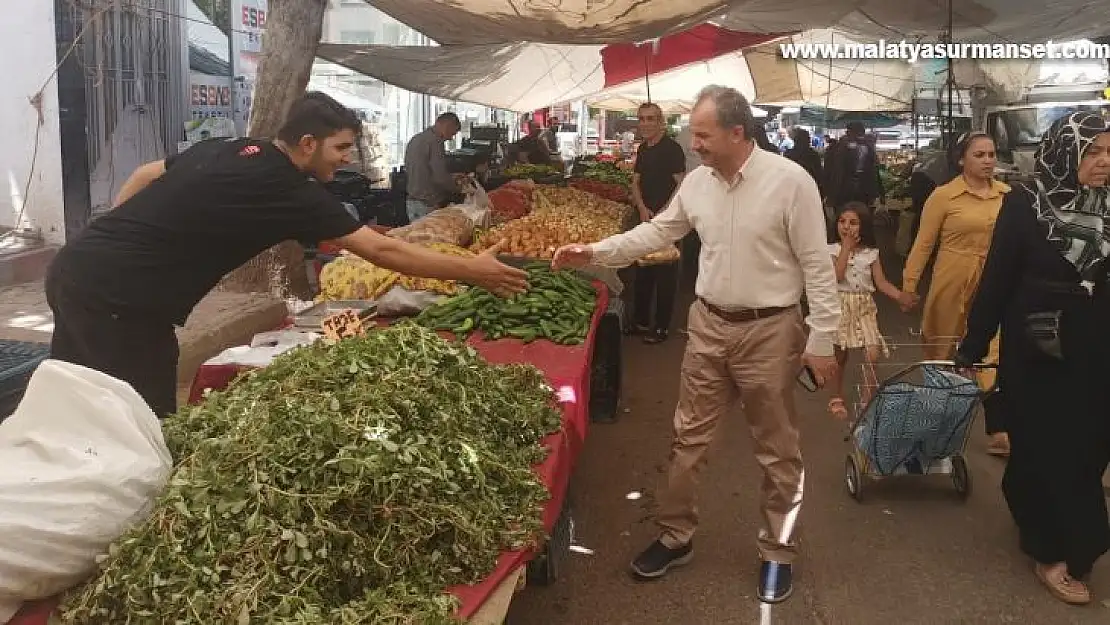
657, 165
535, 149
219, 204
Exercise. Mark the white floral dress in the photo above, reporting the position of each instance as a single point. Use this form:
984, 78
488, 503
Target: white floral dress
859, 317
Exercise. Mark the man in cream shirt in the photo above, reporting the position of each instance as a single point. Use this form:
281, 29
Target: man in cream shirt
764, 243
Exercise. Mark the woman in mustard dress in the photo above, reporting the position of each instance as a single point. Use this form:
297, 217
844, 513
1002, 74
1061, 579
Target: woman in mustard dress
959, 217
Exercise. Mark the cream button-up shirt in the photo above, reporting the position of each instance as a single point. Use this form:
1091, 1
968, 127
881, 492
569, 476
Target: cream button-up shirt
763, 237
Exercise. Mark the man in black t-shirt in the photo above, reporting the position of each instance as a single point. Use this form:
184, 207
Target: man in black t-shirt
660, 166
532, 147
119, 288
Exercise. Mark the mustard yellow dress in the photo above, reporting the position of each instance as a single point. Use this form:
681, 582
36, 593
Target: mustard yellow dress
961, 223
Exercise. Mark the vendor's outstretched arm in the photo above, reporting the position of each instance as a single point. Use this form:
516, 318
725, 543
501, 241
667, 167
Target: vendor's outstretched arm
139, 180
414, 260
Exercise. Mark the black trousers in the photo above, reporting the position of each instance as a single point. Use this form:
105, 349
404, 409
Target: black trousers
656, 284
127, 347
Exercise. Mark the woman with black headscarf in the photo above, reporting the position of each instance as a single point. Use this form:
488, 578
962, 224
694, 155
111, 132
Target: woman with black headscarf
1045, 284
803, 154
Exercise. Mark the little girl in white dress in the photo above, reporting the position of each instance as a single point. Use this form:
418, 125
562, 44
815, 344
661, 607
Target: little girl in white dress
859, 274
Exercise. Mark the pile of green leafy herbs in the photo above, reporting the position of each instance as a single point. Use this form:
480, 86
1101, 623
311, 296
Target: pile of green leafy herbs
345, 483
608, 173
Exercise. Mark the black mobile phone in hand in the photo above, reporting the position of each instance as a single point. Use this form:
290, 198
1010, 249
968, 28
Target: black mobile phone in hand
808, 379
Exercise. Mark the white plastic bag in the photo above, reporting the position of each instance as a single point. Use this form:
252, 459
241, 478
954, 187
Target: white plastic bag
83, 460
264, 348
476, 207
401, 302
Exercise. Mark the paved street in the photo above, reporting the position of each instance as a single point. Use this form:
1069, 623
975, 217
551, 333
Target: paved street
911, 553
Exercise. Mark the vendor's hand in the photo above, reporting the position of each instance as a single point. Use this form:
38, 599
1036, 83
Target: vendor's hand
494, 276
645, 214
823, 367
573, 256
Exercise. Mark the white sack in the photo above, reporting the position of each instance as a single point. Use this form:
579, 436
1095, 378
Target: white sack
401, 302
82, 460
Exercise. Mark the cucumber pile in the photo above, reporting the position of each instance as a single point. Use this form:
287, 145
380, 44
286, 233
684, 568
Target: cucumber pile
558, 307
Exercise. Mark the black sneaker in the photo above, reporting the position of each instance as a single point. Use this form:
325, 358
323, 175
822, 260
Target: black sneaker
657, 336
657, 559
776, 582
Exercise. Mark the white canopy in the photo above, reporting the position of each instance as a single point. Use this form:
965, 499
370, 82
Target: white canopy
613, 21
669, 107
631, 103
516, 76
675, 90
683, 84
527, 76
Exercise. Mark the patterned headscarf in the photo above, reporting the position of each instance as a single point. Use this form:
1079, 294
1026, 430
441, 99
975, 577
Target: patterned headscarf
1078, 218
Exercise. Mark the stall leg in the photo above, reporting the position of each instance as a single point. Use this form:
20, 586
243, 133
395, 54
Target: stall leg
547, 566
606, 370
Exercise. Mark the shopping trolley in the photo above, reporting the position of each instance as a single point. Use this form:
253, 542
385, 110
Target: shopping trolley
916, 421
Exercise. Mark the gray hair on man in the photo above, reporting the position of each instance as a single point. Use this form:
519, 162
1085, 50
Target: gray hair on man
733, 108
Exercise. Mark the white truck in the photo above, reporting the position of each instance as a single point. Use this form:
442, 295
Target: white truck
1017, 128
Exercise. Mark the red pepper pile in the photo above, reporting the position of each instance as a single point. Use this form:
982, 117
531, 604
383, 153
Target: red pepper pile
607, 190
511, 201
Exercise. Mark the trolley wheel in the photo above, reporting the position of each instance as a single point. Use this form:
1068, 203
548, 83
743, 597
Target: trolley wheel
853, 478
961, 477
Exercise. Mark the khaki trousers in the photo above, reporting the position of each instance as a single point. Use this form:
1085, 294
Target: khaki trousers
757, 362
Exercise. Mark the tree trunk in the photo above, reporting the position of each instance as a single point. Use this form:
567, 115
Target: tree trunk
293, 29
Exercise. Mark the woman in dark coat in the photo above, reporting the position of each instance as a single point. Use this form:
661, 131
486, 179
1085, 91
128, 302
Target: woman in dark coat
1045, 284
803, 154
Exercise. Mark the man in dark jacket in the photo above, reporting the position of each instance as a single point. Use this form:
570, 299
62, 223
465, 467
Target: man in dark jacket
852, 169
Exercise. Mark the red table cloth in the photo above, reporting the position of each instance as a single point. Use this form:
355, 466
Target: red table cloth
566, 367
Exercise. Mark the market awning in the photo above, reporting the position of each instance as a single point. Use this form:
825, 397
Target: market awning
566, 21
528, 76
626, 62
616, 21
516, 77
828, 118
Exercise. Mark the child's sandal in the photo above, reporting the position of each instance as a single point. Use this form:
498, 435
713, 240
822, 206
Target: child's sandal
837, 408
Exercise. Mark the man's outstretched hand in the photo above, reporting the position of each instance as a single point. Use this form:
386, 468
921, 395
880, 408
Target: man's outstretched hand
496, 277
572, 256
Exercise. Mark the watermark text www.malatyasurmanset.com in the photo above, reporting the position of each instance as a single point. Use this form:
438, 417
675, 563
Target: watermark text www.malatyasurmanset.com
913, 51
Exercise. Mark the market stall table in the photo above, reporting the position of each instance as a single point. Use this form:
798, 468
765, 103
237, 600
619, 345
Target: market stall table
567, 368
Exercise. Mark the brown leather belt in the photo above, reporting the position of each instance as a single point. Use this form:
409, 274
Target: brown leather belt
745, 314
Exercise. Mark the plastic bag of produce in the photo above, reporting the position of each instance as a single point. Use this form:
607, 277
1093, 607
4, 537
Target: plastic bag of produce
401, 302
670, 254
477, 206
450, 225
83, 459
350, 277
